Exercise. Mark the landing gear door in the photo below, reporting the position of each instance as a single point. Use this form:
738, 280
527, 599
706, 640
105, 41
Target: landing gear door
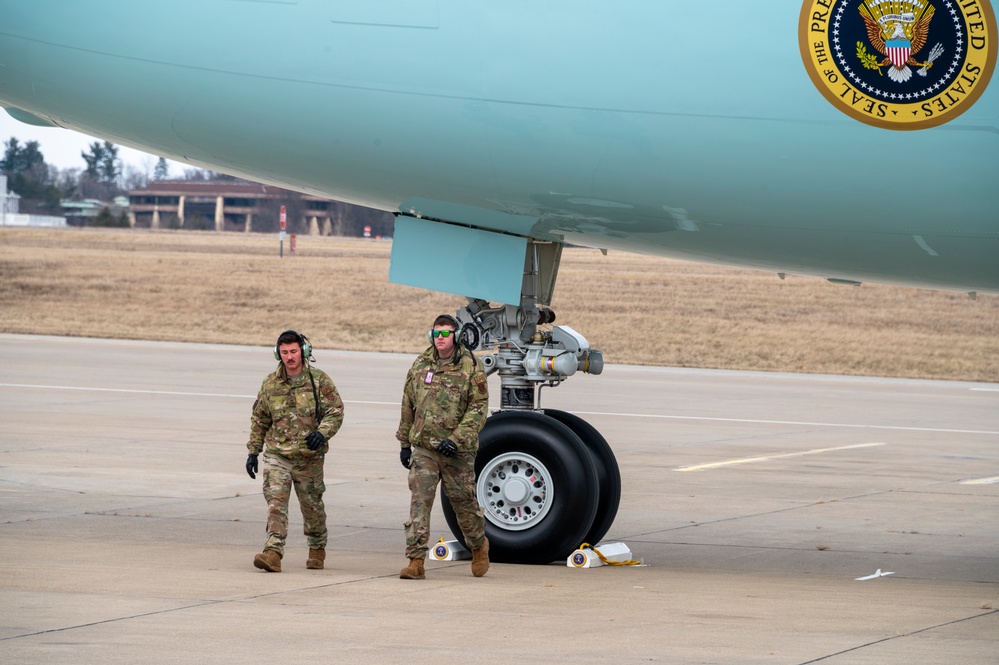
459, 260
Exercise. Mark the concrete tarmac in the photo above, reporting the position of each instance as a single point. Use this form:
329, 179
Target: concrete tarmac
128, 525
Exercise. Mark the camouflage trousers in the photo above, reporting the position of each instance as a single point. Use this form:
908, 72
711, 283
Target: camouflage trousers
307, 477
428, 469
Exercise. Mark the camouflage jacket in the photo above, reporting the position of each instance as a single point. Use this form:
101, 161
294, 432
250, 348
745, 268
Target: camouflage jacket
285, 413
444, 400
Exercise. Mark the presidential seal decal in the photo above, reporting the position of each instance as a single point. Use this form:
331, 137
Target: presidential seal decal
899, 65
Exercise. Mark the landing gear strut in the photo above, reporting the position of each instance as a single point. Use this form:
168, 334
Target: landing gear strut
548, 480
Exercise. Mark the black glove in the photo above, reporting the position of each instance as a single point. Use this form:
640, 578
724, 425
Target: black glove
406, 456
315, 440
447, 448
251, 465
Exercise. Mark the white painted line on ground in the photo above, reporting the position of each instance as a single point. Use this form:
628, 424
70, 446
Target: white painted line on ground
786, 422
120, 390
993, 480
751, 421
765, 458
162, 392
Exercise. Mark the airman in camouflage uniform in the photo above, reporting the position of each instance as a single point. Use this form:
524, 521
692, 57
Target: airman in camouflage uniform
444, 405
293, 432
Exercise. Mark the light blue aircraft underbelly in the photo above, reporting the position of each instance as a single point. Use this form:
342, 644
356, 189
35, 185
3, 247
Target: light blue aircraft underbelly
681, 129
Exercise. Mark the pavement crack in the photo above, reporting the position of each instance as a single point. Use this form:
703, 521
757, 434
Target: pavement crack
114, 620
192, 606
895, 637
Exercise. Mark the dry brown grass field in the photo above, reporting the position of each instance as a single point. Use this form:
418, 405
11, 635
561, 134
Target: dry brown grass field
234, 289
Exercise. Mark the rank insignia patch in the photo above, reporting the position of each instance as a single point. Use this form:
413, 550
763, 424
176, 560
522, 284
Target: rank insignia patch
899, 65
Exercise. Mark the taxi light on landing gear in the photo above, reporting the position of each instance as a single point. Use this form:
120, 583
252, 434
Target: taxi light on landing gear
593, 363
550, 363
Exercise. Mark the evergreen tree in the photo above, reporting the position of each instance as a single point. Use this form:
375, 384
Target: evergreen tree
93, 160
18, 159
111, 165
108, 219
29, 177
103, 165
11, 148
162, 170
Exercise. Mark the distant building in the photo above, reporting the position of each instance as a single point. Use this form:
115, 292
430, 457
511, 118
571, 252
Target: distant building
84, 212
9, 215
221, 205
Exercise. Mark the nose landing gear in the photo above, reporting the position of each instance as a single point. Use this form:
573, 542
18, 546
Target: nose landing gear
547, 480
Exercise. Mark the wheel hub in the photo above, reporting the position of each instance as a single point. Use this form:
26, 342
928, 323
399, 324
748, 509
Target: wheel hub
515, 490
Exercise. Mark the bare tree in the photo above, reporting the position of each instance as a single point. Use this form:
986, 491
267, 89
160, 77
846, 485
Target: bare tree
135, 178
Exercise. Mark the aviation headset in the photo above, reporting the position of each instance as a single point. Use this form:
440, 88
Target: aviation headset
303, 344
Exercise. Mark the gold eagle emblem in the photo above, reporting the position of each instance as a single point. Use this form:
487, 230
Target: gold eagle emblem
897, 31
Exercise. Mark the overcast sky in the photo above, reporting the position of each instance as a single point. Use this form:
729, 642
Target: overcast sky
62, 148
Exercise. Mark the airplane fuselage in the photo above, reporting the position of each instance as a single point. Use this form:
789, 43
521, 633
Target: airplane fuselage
691, 130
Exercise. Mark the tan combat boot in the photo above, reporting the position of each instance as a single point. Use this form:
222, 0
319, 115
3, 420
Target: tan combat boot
316, 558
414, 571
480, 559
269, 560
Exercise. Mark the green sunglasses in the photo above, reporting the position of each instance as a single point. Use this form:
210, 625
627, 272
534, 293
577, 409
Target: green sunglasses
443, 333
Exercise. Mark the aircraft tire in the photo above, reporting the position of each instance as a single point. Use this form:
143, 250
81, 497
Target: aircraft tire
531, 450
608, 472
